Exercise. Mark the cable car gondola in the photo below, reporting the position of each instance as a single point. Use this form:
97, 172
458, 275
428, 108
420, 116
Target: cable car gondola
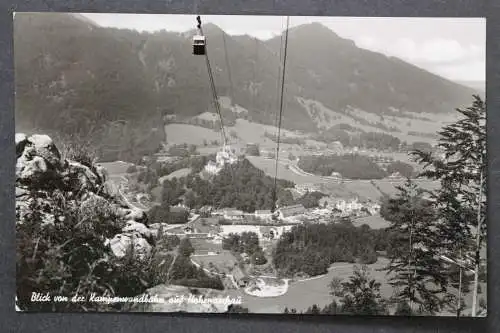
199, 45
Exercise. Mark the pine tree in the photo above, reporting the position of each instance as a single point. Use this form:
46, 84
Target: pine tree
314, 309
461, 170
362, 295
418, 275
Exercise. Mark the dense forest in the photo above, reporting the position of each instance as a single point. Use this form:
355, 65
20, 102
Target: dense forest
350, 136
353, 166
247, 242
310, 249
240, 185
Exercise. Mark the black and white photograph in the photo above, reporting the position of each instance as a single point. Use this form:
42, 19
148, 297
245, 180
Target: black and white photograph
250, 164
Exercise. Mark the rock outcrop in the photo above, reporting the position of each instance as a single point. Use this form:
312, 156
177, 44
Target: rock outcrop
48, 186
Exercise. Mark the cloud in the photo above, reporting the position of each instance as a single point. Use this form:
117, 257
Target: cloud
473, 70
444, 56
368, 42
436, 51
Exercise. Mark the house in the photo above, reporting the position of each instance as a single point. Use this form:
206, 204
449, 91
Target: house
308, 187
233, 214
226, 155
212, 168
263, 214
336, 175
348, 208
205, 211
289, 211
395, 176
245, 257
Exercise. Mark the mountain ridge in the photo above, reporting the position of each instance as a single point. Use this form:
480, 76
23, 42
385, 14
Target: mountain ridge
71, 72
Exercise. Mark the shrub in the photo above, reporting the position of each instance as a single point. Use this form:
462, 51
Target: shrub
69, 257
132, 169
405, 169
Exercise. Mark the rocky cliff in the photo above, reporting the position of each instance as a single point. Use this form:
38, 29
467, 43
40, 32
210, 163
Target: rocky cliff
50, 186
74, 237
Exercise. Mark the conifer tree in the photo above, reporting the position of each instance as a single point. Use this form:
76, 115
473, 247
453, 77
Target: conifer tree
362, 295
461, 170
417, 274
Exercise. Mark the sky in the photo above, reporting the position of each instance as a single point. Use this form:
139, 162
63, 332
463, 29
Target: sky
454, 48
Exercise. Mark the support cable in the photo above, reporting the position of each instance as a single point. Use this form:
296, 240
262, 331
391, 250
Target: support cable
280, 112
212, 86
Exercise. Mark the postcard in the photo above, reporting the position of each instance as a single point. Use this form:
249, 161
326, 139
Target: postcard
250, 164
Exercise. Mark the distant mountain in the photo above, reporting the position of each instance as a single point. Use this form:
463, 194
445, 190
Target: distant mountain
337, 73
73, 76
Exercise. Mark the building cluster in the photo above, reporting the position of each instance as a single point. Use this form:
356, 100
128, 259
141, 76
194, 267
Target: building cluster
307, 187
288, 214
223, 157
355, 208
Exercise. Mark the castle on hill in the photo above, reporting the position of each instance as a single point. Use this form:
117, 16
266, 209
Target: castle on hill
225, 156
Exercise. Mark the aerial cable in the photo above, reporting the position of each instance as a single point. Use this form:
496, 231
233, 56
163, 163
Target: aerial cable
255, 70
212, 85
280, 111
214, 95
278, 82
231, 92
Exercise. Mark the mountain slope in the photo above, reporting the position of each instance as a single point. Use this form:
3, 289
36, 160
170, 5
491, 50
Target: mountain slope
335, 72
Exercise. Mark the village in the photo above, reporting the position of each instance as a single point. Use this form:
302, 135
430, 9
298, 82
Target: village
207, 228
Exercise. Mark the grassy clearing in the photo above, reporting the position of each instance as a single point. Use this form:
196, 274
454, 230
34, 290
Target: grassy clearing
176, 174
364, 189
326, 118
374, 222
116, 167
190, 134
221, 263
203, 246
269, 167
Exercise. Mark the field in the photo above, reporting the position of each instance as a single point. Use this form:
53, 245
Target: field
363, 189
190, 134
374, 222
222, 263
389, 187
203, 246
325, 118
269, 165
116, 168
176, 174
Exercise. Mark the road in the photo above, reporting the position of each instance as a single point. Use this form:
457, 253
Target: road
118, 189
